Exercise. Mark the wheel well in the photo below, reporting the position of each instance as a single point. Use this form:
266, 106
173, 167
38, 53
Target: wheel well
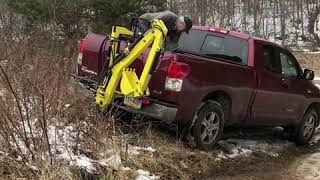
223, 99
316, 106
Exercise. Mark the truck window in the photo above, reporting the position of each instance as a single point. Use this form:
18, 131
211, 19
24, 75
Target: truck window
270, 59
226, 47
212, 44
193, 41
288, 65
215, 45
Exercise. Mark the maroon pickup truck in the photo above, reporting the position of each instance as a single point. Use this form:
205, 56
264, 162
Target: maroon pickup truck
218, 78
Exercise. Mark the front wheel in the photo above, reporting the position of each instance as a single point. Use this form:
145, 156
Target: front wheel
208, 125
307, 128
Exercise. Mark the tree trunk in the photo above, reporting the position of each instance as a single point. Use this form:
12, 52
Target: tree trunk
302, 19
283, 23
274, 20
312, 20
244, 17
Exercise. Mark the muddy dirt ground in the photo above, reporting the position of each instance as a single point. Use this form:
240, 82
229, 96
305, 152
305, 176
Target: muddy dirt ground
292, 163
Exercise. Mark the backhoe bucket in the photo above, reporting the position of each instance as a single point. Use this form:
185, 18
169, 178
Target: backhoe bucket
129, 82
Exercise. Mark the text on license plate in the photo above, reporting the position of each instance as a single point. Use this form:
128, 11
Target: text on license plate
132, 102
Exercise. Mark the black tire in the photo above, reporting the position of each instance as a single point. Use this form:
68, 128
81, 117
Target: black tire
208, 125
307, 128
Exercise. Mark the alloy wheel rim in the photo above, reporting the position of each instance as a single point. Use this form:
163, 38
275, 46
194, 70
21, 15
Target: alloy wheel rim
309, 127
210, 127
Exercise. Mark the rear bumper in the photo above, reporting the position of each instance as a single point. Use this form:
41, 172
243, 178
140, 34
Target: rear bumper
154, 110
163, 112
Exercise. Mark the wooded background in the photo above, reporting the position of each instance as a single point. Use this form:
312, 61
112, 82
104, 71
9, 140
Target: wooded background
287, 22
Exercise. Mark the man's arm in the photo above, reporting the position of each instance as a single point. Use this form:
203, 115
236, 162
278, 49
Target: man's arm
147, 16
158, 15
166, 14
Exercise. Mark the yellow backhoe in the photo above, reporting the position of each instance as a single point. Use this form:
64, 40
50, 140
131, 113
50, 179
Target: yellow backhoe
118, 80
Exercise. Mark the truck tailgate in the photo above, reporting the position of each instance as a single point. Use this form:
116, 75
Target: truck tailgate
92, 63
158, 79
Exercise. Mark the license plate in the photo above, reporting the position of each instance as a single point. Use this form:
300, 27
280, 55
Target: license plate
132, 102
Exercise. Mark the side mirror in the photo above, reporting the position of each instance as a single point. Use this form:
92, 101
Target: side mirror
308, 74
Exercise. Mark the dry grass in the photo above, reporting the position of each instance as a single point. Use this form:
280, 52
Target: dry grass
172, 160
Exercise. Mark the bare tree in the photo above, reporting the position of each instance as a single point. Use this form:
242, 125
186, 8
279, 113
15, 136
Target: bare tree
281, 19
313, 16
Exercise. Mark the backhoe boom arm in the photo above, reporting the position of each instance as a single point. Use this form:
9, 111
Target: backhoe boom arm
130, 84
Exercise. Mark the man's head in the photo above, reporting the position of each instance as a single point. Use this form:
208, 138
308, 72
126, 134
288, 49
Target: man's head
184, 24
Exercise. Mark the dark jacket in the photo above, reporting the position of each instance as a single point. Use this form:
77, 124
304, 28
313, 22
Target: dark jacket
170, 20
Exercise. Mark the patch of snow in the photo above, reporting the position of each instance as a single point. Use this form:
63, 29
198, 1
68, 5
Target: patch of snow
233, 151
273, 154
313, 52
77, 160
34, 168
83, 162
316, 137
62, 139
125, 168
113, 161
309, 167
136, 150
145, 175
233, 148
67, 105
19, 158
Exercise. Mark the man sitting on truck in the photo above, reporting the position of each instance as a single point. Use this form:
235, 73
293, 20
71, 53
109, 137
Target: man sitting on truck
174, 23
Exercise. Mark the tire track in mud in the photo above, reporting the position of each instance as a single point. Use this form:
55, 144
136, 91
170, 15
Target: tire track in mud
292, 163
307, 167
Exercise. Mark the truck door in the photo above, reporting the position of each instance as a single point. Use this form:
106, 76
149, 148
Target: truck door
270, 104
295, 86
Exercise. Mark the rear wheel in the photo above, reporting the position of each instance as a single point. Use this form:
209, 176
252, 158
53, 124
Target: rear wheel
307, 128
208, 126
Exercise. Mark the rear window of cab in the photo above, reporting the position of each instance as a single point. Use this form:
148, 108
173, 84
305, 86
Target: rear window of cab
215, 45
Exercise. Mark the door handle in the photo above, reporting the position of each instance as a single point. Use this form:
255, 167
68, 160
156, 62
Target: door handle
285, 83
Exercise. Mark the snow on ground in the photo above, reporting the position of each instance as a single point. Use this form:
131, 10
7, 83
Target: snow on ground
233, 148
314, 52
309, 166
113, 161
145, 175
83, 162
316, 81
136, 150
62, 139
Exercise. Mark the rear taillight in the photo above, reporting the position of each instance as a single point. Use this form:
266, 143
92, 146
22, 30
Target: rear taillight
83, 46
177, 72
145, 101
